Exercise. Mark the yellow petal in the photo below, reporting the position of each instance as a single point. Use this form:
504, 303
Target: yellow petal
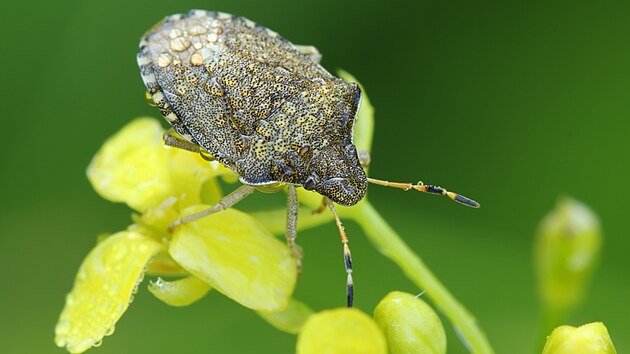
163, 265
135, 167
341, 331
591, 338
181, 292
156, 219
103, 289
410, 325
235, 255
188, 173
290, 319
131, 166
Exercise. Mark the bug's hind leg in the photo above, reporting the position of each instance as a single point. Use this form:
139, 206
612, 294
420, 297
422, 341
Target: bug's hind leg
347, 258
172, 139
225, 203
311, 52
291, 231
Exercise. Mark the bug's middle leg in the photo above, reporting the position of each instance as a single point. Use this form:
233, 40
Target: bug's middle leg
225, 203
291, 231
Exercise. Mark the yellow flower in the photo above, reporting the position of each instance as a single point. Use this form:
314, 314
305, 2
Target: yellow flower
590, 338
229, 251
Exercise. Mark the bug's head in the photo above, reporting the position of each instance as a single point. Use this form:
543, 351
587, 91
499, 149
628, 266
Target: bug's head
337, 174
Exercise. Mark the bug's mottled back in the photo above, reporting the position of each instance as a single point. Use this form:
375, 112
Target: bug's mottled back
254, 102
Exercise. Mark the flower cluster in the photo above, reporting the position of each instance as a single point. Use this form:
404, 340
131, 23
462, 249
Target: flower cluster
230, 251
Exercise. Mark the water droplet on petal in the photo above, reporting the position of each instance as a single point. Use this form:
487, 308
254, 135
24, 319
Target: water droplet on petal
110, 330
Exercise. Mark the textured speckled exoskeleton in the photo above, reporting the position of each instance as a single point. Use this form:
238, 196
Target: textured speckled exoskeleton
239, 93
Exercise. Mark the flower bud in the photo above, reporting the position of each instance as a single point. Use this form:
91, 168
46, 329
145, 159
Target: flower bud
567, 247
591, 338
341, 331
410, 325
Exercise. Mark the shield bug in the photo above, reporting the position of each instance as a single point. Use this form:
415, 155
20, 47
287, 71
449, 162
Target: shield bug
239, 93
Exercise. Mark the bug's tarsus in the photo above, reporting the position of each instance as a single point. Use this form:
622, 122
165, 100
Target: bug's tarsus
321, 208
225, 203
347, 257
427, 188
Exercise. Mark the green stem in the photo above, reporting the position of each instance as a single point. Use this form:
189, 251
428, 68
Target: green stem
391, 245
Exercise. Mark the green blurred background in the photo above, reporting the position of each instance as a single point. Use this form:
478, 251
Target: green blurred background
512, 103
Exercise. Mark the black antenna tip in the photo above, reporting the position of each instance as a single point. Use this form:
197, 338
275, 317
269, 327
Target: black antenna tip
466, 201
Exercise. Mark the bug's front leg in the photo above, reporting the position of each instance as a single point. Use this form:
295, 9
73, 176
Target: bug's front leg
347, 257
172, 139
291, 231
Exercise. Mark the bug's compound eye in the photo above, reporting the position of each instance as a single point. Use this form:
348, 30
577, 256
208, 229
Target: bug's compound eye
309, 184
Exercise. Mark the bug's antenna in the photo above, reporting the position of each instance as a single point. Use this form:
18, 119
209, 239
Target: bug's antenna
427, 188
347, 258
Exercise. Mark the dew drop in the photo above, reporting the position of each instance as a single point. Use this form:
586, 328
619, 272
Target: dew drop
110, 330
180, 44
159, 283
